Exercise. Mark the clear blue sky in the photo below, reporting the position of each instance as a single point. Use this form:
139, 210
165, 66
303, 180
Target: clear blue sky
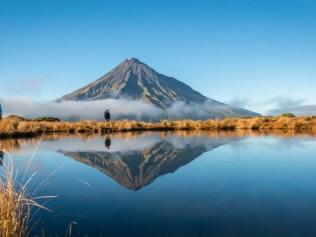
253, 53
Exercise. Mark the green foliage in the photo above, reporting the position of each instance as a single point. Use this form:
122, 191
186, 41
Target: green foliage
47, 119
288, 115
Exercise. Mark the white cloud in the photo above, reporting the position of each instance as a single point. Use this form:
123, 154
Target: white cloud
79, 110
26, 87
297, 110
271, 106
120, 108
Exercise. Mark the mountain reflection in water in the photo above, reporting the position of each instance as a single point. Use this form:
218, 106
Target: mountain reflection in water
241, 183
136, 168
134, 160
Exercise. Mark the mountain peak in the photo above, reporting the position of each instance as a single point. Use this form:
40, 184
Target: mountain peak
136, 80
133, 66
133, 61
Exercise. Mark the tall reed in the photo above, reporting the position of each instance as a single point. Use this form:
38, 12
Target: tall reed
15, 205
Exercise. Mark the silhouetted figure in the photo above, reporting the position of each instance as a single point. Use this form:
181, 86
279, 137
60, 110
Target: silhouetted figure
0, 112
107, 142
107, 115
1, 157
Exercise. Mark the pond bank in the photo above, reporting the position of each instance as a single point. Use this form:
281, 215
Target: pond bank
28, 128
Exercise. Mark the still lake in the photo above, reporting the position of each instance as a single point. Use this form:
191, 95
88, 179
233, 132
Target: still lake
171, 184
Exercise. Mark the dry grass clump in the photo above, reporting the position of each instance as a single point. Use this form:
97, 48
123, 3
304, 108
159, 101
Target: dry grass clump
14, 210
15, 205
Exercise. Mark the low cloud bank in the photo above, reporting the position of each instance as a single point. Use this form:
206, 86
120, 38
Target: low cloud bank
120, 108
73, 110
307, 110
274, 106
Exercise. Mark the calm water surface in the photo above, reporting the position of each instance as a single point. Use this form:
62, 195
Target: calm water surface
156, 184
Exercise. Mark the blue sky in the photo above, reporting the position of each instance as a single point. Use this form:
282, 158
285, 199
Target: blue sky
256, 54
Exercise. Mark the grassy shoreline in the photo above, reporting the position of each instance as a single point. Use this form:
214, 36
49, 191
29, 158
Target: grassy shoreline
16, 127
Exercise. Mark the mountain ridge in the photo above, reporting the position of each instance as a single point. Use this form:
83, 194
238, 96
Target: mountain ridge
135, 80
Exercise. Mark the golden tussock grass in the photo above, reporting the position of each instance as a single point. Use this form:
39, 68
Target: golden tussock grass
14, 210
17, 127
16, 204
15, 207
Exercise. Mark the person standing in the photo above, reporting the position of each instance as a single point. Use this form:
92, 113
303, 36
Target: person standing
107, 115
0, 112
